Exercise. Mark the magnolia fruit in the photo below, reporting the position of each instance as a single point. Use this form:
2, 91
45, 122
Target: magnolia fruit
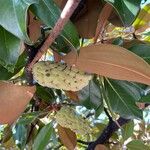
60, 76
67, 118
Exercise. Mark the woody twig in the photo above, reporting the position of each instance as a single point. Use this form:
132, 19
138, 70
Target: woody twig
68, 10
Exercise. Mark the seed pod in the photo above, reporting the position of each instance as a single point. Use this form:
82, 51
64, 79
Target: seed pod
67, 118
60, 76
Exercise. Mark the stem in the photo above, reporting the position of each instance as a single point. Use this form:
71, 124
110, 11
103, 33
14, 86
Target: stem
107, 132
83, 142
107, 113
68, 10
104, 96
31, 53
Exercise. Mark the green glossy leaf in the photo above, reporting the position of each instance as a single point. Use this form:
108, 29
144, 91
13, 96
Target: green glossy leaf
20, 135
13, 17
142, 50
5, 74
90, 97
99, 110
28, 118
147, 33
49, 13
45, 94
9, 49
127, 130
118, 41
121, 96
127, 9
137, 145
61, 44
43, 137
145, 99
115, 136
100, 127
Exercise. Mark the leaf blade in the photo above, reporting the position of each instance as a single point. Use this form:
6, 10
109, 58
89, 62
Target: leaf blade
13, 100
90, 97
142, 50
137, 144
20, 135
10, 49
127, 130
13, 18
124, 8
67, 137
121, 100
145, 99
112, 61
45, 133
47, 10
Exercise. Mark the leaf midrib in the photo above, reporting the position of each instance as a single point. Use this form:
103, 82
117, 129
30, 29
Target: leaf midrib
119, 96
119, 66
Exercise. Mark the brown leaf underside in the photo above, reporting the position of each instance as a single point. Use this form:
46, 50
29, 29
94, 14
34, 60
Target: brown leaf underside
100, 147
67, 137
13, 100
34, 28
86, 23
111, 61
72, 95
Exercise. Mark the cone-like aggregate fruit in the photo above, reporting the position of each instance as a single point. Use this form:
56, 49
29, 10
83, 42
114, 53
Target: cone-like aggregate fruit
60, 76
67, 118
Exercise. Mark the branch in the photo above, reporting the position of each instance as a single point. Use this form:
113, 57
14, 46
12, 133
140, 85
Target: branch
107, 113
64, 17
107, 132
36, 103
83, 142
31, 52
57, 57
104, 15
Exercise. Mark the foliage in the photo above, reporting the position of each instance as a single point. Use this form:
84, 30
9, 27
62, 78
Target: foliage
117, 96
